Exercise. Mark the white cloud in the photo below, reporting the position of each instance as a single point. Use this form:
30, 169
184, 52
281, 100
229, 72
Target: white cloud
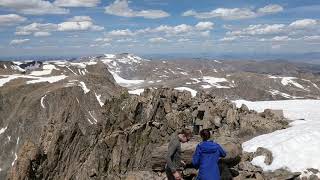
80, 18
312, 38
234, 13
259, 29
41, 34
77, 23
205, 33
183, 40
281, 38
78, 26
304, 29
304, 23
77, 3
35, 27
121, 8
158, 40
11, 19
35, 7
103, 40
180, 31
204, 26
224, 13
19, 41
231, 38
125, 32
270, 9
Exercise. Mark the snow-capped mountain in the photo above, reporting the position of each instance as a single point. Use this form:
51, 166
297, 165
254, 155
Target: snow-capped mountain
37, 95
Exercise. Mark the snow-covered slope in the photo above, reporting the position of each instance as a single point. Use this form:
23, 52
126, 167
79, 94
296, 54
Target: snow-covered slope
296, 148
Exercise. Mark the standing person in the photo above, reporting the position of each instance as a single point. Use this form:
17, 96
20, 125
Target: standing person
206, 157
173, 157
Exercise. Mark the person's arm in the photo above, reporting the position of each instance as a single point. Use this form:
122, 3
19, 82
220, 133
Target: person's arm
172, 148
221, 151
196, 157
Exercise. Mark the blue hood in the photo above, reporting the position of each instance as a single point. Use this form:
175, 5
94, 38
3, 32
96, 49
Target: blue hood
209, 147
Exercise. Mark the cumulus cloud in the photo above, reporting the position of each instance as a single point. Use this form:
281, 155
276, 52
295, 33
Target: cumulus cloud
77, 23
34, 7
234, 13
270, 9
77, 3
19, 41
123, 32
158, 40
304, 29
304, 23
41, 34
204, 26
103, 40
259, 29
179, 31
11, 19
121, 8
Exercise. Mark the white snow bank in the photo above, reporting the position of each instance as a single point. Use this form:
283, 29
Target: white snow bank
84, 87
93, 117
7, 79
109, 55
2, 130
295, 148
136, 91
42, 101
276, 92
214, 81
51, 79
193, 92
289, 80
125, 82
47, 69
98, 96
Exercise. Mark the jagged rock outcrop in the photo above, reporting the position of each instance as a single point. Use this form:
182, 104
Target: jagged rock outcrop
121, 143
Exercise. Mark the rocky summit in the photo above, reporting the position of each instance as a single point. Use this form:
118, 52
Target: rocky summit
111, 116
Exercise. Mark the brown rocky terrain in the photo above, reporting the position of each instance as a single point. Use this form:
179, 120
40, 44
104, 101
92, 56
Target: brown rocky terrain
74, 120
121, 144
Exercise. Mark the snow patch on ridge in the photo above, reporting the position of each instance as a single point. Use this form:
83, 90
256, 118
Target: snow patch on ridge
289, 80
42, 101
276, 92
213, 81
84, 87
295, 148
47, 69
125, 82
99, 99
51, 79
136, 91
193, 92
2, 130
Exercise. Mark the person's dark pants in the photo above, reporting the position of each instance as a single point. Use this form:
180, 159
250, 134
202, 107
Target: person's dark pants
169, 174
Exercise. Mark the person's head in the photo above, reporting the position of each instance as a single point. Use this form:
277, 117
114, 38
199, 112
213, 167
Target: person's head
185, 135
205, 134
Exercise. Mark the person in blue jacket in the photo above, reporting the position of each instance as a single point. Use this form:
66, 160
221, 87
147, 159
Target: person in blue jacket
206, 157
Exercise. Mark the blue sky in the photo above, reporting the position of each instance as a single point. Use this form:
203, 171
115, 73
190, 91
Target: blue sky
88, 27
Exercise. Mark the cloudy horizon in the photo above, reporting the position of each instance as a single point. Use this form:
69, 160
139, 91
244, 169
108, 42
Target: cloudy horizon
84, 27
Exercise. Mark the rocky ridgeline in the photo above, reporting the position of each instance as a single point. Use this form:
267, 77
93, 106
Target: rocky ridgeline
132, 128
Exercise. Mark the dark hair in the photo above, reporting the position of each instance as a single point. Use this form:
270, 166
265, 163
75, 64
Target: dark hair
205, 134
186, 132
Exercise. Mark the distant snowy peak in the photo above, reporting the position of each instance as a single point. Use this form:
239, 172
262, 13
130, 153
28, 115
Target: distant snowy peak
124, 58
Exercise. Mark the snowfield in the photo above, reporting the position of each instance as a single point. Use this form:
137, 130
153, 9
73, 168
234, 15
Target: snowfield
136, 91
193, 92
296, 148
